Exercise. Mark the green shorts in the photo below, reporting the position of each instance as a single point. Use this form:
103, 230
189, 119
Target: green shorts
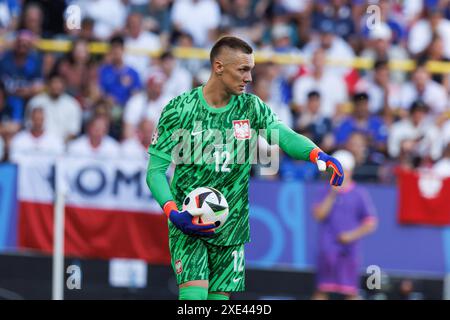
195, 259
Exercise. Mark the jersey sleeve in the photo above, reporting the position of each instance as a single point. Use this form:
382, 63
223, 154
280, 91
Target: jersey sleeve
266, 118
162, 141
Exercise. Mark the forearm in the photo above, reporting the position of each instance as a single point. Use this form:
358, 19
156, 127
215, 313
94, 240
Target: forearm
365, 228
322, 210
295, 145
157, 181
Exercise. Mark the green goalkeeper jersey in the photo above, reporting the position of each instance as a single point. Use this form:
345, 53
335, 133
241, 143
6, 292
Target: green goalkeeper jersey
213, 147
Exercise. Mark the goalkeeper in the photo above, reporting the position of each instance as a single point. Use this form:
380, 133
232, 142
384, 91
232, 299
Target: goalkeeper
210, 263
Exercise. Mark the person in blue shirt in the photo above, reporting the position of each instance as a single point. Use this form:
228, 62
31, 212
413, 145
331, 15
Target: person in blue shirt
21, 73
117, 80
362, 121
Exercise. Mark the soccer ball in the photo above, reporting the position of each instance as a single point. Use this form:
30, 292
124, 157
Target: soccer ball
213, 205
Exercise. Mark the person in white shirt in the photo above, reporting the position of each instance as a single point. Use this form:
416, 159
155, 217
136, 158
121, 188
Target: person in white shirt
197, 17
96, 143
109, 15
422, 87
415, 135
332, 88
145, 105
137, 43
36, 140
383, 93
179, 80
63, 114
422, 31
336, 48
136, 147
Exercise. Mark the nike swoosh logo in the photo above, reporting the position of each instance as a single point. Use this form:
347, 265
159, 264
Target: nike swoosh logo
236, 280
197, 132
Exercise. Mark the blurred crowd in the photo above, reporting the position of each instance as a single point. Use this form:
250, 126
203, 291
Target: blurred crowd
108, 105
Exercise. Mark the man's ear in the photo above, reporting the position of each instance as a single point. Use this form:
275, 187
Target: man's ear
218, 67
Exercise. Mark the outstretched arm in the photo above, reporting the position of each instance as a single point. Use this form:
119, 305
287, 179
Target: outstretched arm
300, 147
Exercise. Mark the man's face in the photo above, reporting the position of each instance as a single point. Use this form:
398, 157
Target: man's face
56, 87
117, 53
234, 69
98, 129
37, 119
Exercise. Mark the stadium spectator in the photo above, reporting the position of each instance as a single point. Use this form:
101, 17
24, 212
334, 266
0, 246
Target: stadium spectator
368, 161
390, 17
345, 216
178, 79
321, 80
140, 41
415, 137
383, 94
379, 47
32, 19
36, 140
145, 105
338, 12
313, 124
21, 73
117, 80
422, 87
9, 19
108, 16
96, 143
261, 88
197, 17
78, 69
157, 17
242, 20
136, 147
62, 111
435, 52
50, 19
362, 121
185, 41
335, 48
8, 125
421, 33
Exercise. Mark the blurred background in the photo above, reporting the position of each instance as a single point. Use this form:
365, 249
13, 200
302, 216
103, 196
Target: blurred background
82, 85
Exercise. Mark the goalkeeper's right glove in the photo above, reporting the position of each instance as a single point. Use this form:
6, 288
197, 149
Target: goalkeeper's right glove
186, 222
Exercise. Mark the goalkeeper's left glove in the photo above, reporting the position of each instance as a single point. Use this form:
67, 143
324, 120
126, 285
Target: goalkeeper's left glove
325, 161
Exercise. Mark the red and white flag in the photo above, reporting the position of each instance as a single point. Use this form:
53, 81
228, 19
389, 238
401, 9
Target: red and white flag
424, 198
109, 210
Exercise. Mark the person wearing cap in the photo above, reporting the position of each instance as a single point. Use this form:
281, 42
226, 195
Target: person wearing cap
362, 121
345, 216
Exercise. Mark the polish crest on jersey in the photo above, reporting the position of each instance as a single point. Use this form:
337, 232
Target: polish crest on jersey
242, 129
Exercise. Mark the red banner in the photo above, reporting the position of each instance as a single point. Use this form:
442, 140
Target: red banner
424, 198
109, 211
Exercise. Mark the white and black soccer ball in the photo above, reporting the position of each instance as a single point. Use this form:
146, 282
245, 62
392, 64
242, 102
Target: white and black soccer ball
210, 202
